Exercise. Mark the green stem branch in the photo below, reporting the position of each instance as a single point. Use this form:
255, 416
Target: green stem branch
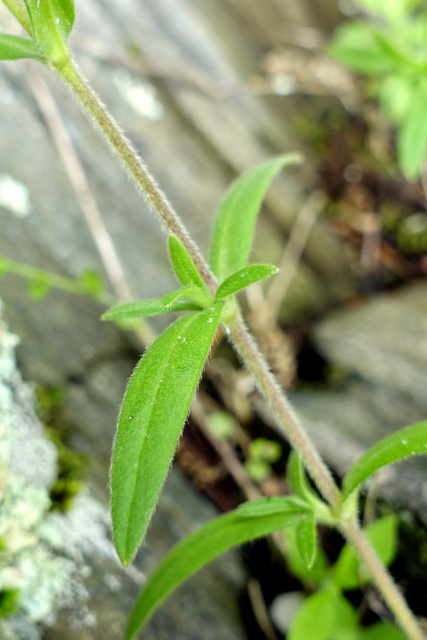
33, 274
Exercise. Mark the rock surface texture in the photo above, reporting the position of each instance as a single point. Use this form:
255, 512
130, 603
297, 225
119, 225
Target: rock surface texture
192, 84
63, 566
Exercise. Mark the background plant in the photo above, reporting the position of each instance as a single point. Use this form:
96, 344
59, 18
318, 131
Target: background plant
159, 393
390, 46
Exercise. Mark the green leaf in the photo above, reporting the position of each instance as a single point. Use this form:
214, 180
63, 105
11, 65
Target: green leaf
154, 409
196, 295
389, 10
14, 48
297, 477
39, 288
252, 520
382, 534
306, 538
315, 618
394, 95
220, 424
243, 278
183, 263
407, 442
317, 573
401, 59
91, 282
258, 470
382, 631
145, 308
52, 22
346, 625
270, 506
236, 216
354, 45
412, 135
264, 449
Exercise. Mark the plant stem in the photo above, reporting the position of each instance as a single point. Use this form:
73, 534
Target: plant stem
133, 164
241, 338
244, 343
286, 416
71, 285
380, 576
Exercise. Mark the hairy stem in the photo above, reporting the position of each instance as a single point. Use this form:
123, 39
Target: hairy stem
285, 415
133, 164
241, 338
380, 576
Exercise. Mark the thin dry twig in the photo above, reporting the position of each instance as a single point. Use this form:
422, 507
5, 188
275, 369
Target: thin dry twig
260, 609
80, 184
226, 453
294, 249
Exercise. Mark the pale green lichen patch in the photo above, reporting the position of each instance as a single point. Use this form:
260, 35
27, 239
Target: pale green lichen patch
33, 575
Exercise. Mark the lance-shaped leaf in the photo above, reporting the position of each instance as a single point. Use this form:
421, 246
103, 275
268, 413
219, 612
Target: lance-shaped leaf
306, 539
412, 135
146, 308
404, 443
243, 278
256, 519
319, 570
183, 263
236, 217
154, 409
297, 477
354, 45
15, 47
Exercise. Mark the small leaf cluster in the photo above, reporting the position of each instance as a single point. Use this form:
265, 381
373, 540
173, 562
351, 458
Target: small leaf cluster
49, 24
391, 47
159, 393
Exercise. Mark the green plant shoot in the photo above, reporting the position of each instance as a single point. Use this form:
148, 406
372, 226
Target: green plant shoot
154, 409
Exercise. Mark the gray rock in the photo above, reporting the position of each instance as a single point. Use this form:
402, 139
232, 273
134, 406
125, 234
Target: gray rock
384, 341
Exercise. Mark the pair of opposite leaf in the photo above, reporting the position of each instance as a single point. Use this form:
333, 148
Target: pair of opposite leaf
49, 24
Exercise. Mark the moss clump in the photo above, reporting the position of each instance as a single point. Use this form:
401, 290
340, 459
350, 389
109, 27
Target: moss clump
71, 470
71, 465
9, 601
